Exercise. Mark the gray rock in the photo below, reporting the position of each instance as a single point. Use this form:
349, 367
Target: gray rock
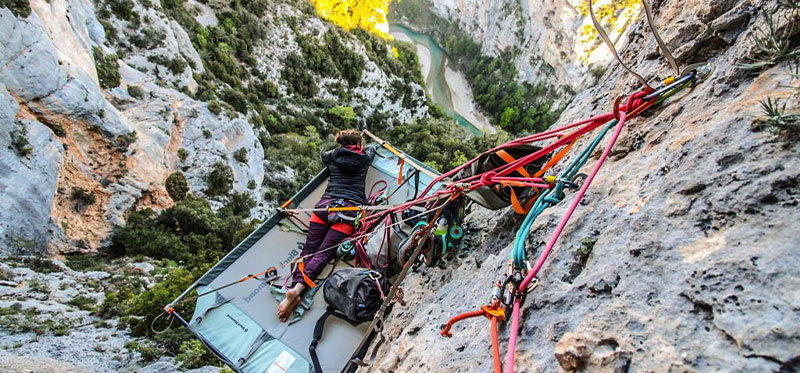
144, 267
27, 184
185, 46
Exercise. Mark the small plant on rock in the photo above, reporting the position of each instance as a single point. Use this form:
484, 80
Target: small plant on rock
83, 302
776, 118
773, 43
214, 107
20, 8
124, 141
19, 141
240, 155
81, 198
193, 354
183, 154
219, 180
136, 92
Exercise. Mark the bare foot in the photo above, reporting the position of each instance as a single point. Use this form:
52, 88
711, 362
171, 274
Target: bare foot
288, 304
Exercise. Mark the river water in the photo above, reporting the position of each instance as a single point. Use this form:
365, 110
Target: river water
448, 87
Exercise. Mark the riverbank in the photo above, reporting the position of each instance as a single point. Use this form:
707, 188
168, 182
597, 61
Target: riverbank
446, 85
423, 53
463, 100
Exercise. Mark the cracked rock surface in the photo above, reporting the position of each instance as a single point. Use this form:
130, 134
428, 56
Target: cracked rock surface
693, 221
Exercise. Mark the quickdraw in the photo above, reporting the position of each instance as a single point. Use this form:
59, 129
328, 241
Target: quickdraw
492, 311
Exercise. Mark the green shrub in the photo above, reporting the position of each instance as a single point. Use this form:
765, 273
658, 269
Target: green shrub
176, 186
219, 180
19, 141
193, 354
300, 152
85, 262
236, 99
20, 8
123, 9
82, 198
39, 265
83, 302
148, 38
39, 286
107, 68
240, 155
206, 132
183, 154
175, 65
57, 129
298, 79
124, 141
142, 235
342, 116
116, 302
267, 89
251, 184
189, 231
215, 108
240, 205
147, 351
443, 144
135, 91
148, 303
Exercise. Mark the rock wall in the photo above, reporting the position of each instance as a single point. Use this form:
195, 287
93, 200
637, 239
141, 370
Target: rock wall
63, 131
681, 257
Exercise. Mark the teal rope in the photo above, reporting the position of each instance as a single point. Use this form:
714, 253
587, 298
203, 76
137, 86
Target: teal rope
553, 196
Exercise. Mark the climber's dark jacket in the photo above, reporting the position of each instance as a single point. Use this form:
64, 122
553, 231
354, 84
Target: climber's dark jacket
348, 168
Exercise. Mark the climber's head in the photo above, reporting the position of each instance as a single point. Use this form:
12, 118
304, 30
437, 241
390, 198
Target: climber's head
348, 138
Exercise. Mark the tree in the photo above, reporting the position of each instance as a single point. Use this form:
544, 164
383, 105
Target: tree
107, 68
176, 186
219, 180
505, 117
342, 116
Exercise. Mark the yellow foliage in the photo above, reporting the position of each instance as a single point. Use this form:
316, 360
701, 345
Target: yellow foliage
369, 15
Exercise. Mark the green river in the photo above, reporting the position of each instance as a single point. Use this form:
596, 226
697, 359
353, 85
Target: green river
436, 80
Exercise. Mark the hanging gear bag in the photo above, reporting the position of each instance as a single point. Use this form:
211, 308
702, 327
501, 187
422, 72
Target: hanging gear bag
354, 295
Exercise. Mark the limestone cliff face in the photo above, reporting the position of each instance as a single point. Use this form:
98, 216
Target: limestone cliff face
62, 131
49, 70
693, 222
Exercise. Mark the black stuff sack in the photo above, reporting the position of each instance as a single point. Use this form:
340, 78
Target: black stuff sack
354, 295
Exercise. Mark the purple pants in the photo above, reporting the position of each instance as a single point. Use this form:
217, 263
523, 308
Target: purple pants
320, 237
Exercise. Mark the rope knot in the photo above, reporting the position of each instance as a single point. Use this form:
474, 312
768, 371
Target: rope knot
488, 178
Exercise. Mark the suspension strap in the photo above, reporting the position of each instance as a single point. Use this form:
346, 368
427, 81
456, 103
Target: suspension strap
400, 155
661, 45
510, 159
611, 46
